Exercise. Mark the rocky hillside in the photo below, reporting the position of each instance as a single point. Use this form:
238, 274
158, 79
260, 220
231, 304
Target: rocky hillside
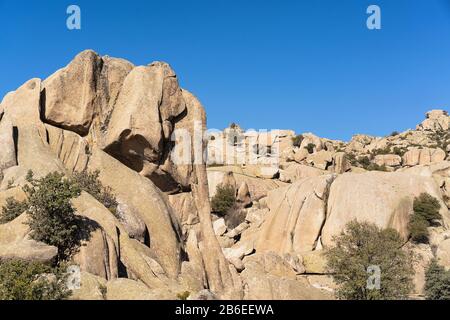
165, 241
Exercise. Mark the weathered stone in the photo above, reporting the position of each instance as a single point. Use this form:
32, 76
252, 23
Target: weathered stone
219, 227
385, 199
390, 160
70, 93
296, 216
417, 156
150, 204
321, 160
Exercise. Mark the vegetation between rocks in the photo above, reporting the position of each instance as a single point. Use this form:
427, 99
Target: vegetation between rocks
21, 280
437, 282
362, 246
90, 183
52, 218
12, 210
426, 211
224, 203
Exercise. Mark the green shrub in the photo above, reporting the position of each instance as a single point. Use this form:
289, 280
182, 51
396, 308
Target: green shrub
297, 140
376, 167
12, 210
426, 210
437, 282
223, 200
89, 182
20, 280
394, 133
183, 295
376, 152
52, 217
352, 158
361, 246
310, 147
364, 161
400, 151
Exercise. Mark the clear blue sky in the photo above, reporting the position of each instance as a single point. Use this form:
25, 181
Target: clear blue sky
303, 65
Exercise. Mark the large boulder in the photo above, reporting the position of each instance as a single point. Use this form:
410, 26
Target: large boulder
150, 204
422, 156
385, 199
390, 160
15, 243
269, 276
296, 216
8, 154
71, 95
437, 120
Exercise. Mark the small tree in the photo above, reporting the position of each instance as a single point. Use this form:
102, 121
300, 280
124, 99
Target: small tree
297, 140
90, 183
364, 245
310, 147
224, 199
52, 217
21, 280
426, 210
12, 210
437, 282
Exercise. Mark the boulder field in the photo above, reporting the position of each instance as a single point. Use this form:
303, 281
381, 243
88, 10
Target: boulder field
295, 192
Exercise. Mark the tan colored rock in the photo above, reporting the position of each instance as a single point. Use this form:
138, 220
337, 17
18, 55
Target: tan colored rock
309, 138
243, 195
15, 242
416, 156
314, 262
219, 227
70, 93
97, 255
423, 255
16, 192
222, 277
28, 250
390, 160
193, 275
126, 289
130, 220
91, 288
184, 206
150, 204
229, 180
358, 143
320, 160
340, 163
109, 83
269, 277
385, 199
69, 147
437, 120
258, 187
300, 155
8, 154
134, 132
33, 152
295, 171
296, 216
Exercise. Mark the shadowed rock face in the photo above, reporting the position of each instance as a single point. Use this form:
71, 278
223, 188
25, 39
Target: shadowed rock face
103, 114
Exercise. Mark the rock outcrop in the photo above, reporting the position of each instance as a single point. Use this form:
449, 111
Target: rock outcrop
145, 137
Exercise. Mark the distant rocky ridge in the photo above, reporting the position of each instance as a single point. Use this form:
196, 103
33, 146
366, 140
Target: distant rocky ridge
296, 191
